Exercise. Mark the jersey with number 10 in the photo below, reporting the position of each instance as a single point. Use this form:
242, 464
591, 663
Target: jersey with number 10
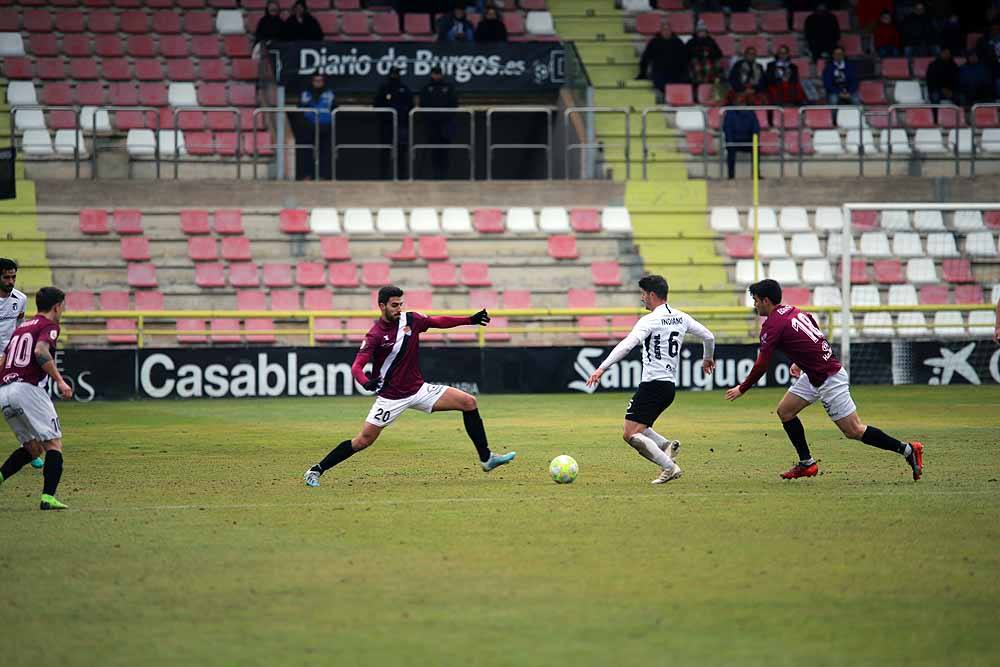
19, 363
798, 335
661, 334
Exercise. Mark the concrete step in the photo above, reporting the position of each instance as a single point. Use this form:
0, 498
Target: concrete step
597, 29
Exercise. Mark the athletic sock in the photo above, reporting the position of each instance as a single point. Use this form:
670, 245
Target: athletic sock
52, 472
655, 437
647, 448
338, 454
876, 438
477, 433
17, 460
797, 434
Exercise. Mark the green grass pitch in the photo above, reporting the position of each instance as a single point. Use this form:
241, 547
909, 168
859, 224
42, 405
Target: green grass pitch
193, 541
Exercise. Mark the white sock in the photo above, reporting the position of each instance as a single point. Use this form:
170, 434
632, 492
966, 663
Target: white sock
908, 451
647, 448
655, 437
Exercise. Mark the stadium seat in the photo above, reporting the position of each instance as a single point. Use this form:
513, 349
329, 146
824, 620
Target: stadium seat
725, 219
895, 221
767, 219
834, 244
865, 295
140, 143
585, 220
616, 219
864, 220
277, 274
335, 248
433, 248
986, 117
822, 119
475, 274
70, 142
243, 274
442, 274
519, 299
456, 221
236, 249
793, 219
899, 141
921, 271
593, 327
488, 220
484, 298
949, 323
796, 296
980, 244
990, 140
941, 244
605, 274
912, 324
293, 221
317, 299
771, 245
424, 221
981, 323
928, 221
77, 300
785, 271
37, 142
521, 219
324, 221
210, 275
877, 324
875, 244
407, 251
963, 138
888, 271
228, 221
908, 92
284, 299
826, 296
229, 22
391, 221
343, 274
354, 24
861, 139
576, 297
224, 330
127, 221
872, 93
539, 23
554, 220
827, 142
562, 246
134, 249
142, 275
902, 295
816, 272
310, 274
968, 221
679, 95
929, 141
681, 23
149, 300
93, 221
829, 218
991, 219
690, 120
739, 246
375, 274
957, 271
969, 294
859, 271
806, 245
745, 272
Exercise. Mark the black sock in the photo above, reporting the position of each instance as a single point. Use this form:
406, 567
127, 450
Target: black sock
477, 433
876, 438
52, 472
338, 454
17, 460
797, 434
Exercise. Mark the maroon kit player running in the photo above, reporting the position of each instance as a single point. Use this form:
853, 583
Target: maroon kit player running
393, 347
819, 376
26, 365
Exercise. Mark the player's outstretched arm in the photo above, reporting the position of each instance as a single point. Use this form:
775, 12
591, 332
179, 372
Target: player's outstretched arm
708, 343
43, 355
482, 318
616, 355
358, 367
756, 373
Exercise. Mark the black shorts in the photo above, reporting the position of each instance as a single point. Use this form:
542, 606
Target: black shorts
649, 401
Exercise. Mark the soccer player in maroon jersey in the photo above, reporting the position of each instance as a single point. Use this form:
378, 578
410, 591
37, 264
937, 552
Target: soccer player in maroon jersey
818, 374
26, 365
393, 347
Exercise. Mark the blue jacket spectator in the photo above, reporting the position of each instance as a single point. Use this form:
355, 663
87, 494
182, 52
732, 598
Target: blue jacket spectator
320, 98
455, 27
975, 81
840, 78
739, 128
305, 125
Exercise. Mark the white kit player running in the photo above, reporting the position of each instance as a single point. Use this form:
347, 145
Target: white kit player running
12, 306
661, 334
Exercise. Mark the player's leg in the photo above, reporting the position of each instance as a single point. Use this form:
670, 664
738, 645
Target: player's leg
19, 458
37, 451
647, 404
665, 444
365, 438
798, 397
52, 474
13, 414
456, 399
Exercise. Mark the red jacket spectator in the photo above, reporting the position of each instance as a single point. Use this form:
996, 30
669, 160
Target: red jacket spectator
886, 37
868, 11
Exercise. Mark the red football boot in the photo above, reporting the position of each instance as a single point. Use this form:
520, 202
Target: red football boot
799, 470
916, 459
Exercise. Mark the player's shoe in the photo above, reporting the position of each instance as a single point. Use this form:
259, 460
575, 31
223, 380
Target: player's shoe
799, 470
497, 460
50, 503
311, 476
916, 459
38, 463
668, 474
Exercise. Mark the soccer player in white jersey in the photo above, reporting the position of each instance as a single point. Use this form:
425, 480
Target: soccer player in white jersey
661, 334
12, 305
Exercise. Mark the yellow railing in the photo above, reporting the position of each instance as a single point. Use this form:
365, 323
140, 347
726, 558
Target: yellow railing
75, 323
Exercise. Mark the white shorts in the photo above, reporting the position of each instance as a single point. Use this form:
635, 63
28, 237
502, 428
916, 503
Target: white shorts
385, 410
835, 394
29, 412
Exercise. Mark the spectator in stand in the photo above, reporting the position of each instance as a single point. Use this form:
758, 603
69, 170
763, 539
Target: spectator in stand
869, 12
271, 27
975, 81
952, 35
822, 32
942, 78
439, 93
840, 79
739, 128
747, 79
783, 85
455, 27
665, 60
705, 59
988, 48
395, 94
491, 28
301, 26
918, 33
886, 37
323, 100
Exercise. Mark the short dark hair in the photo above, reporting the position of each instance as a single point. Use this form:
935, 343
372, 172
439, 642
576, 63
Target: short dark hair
48, 297
387, 293
7, 265
767, 289
656, 284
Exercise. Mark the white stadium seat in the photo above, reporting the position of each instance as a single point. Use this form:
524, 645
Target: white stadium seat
899, 141
141, 143
456, 220
858, 138
908, 92
69, 141
921, 271
911, 324
521, 219
875, 244
948, 323
928, 221
171, 141
539, 23
982, 323
806, 245
616, 219
942, 244
826, 296
850, 119
229, 22
827, 142
877, 324
182, 95
358, 221
980, 244
794, 219
834, 243
744, 271
928, 140
554, 220
896, 221
772, 245
990, 140
829, 218
36, 142
767, 221
635, 6
785, 271
995, 294
424, 221
724, 219
92, 120
968, 221
902, 295
29, 119
324, 221
907, 244
390, 221
690, 120
964, 138
21, 93
11, 44
816, 272
865, 295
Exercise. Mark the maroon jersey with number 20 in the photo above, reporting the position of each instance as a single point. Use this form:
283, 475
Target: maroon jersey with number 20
19, 364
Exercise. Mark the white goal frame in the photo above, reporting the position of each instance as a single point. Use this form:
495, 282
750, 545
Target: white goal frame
846, 315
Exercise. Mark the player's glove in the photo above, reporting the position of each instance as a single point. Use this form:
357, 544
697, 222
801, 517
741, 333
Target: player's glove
482, 318
371, 385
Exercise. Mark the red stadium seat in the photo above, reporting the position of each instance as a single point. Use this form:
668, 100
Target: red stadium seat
10, 21
62, 119
360, 326
872, 92
293, 221
515, 299
37, 20
859, 272
203, 249
420, 300
957, 271
195, 221
562, 246
134, 22
919, 67
475, 274
934, 295
385, 23
851, 44
244, 69
796, 296
228, 221
605, 274
18, 68
864, 220
774, 21
212, 95
134, 249
186, 119
514, 22
679, 95
199, 143
484, 298
819, 119
40, 44
256, 300
283, 299
127, 221
375, 274
93, 221
167, 22
125, 325
102, 22
433, 248
407, 251
897, 69
335, 248
310, 274
951, 118
969, 294
354, 23
50, 69
991, 219
70, 22
242, 95
85, 69
199, 23
191, 331
918, 118
744, 23
259, 142
77, 300
681, 23
344, 274
739, 246
236, 249
115, 300
599, 322
209, 275
56, 94
700, 143
149, 300
330, 22
173, 46
576, 298
205, 46
236, 46
488, 220
647, 24
140, 46
442, 274
585, 220
225, 324
243, 274
888, 271
279, 275
318, 299
799, 21
142, 275
416, 24
986, 117
150, 69
109, 46
347, 4
492, 334
212, 69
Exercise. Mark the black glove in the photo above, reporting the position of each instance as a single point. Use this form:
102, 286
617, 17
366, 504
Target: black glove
372, 384
482, 318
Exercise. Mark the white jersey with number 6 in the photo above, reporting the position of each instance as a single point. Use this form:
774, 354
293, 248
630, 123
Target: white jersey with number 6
661, 334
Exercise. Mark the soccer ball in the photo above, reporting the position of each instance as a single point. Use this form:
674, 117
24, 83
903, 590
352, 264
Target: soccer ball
563, 469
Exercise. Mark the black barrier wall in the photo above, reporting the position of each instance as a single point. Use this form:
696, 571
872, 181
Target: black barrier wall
102, 374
